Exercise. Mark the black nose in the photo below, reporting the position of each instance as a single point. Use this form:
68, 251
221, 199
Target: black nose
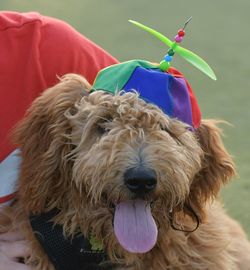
140, 180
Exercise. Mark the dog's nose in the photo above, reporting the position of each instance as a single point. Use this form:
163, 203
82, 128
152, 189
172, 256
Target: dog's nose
140, 180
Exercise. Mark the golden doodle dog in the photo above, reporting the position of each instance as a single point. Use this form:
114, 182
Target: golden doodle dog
119, 169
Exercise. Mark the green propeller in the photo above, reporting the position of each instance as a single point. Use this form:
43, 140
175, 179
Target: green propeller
191, 57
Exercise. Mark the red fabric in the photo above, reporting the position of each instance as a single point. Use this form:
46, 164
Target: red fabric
35, 50
7, 198
196, 113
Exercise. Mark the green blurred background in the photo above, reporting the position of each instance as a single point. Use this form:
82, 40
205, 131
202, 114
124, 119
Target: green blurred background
219, 32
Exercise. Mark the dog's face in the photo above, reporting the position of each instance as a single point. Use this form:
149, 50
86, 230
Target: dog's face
128, 154
116, 163
126, 149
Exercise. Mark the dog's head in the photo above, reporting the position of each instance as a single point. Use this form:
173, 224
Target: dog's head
116, 165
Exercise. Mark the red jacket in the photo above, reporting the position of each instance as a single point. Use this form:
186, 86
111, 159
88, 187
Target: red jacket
34, 50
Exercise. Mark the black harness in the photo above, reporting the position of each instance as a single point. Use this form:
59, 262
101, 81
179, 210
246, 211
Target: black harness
66, 254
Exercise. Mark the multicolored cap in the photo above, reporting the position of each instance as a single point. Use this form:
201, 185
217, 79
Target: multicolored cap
159, 84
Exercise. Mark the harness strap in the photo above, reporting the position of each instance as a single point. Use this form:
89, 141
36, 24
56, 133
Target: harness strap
65, 254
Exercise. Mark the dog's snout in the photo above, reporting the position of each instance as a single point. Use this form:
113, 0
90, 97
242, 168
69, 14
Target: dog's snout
140, 180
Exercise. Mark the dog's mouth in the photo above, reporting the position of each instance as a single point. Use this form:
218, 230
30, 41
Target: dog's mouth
134, 226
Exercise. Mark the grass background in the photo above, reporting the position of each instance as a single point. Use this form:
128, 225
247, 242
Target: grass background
219, 32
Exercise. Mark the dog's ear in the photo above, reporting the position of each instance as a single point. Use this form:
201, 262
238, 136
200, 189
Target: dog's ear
42, 137
217, 167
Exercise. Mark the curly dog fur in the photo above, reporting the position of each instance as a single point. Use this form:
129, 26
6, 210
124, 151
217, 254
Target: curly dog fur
76, 147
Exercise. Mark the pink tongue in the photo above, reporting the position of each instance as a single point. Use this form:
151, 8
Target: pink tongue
134, 226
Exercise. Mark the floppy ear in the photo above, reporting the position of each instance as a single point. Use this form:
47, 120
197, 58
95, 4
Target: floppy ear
217, 167
42, 137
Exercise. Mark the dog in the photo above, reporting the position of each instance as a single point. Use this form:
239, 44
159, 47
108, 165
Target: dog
113, 165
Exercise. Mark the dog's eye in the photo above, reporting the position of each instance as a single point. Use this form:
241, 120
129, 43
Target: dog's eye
171, 134
101, 129
164, 128
103, 126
